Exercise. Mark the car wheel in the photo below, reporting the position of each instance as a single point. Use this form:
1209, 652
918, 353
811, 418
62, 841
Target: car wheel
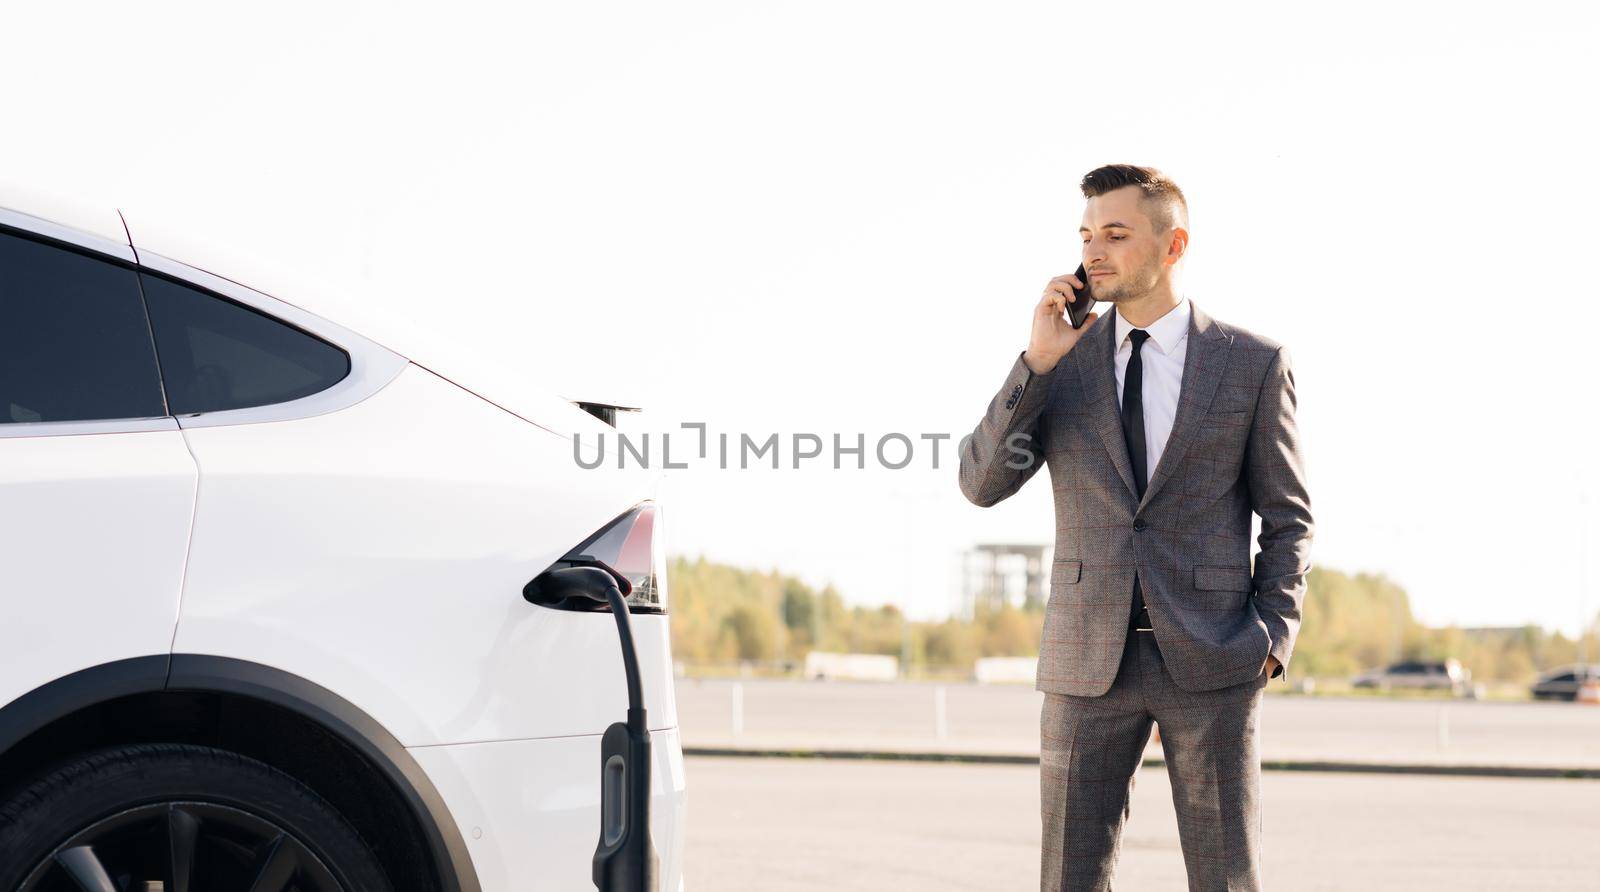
181, 819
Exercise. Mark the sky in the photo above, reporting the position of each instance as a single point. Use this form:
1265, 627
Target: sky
835, 218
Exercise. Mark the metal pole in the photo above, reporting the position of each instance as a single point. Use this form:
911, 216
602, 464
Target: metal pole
1399, 626
911, 576
1583, 577
905, 644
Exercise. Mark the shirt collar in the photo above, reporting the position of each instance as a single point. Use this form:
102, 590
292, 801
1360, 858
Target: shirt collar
1167, 332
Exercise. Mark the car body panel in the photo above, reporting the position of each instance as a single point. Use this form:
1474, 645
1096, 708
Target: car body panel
372, 540
94, 530
381, 552
530, 810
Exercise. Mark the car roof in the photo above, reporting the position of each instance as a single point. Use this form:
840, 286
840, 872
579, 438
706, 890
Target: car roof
101, 222
1586, 668
479, 371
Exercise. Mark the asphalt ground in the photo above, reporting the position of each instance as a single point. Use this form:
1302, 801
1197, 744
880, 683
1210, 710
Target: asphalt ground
814, 824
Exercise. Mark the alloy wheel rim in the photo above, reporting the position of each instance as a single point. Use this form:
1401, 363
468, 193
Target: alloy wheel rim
182, 846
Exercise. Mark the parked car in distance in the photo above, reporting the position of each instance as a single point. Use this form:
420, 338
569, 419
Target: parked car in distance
1562, 683
1418, 675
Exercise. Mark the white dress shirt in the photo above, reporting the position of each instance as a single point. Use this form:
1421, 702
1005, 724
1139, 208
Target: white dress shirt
1162, 359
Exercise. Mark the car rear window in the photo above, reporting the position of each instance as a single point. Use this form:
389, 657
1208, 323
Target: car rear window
218, 355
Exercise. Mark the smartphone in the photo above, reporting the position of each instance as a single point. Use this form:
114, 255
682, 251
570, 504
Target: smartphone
1078, 309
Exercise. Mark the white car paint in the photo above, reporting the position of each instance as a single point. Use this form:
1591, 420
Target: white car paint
410, 545
125, 498
373, 539
506, 793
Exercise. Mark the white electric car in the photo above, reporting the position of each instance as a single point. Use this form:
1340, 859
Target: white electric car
266, 619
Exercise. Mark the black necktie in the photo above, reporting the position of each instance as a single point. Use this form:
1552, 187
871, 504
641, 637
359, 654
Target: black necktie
1133, 435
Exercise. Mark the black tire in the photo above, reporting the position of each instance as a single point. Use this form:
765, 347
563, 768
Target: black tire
143, 812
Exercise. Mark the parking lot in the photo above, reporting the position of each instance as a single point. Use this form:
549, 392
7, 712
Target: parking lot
1004, 719
808, 824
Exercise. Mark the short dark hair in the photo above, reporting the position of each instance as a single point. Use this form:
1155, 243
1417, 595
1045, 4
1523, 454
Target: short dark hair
1163, 200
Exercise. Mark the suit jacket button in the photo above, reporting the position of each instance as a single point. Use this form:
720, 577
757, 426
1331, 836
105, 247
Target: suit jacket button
1138, 525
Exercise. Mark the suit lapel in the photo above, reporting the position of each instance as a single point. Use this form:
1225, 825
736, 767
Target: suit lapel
1203, 365
1096, 354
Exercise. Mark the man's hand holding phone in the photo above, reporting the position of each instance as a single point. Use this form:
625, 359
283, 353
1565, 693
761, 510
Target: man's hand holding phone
1053, 336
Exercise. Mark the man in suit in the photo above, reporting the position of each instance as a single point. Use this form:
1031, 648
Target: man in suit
1163, 429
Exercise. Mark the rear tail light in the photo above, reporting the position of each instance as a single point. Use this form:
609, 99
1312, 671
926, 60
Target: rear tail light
632, 546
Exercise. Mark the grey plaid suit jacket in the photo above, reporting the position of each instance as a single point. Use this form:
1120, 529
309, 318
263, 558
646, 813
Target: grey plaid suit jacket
1234, 449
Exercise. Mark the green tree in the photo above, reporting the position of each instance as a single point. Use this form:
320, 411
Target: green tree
1351, 622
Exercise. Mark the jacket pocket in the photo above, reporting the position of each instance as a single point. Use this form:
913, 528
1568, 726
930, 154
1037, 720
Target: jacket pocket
1222, 579
1066, 572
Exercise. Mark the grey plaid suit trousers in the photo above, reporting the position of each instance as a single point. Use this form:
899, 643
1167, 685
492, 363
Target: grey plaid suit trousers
1234, 450
1089, 754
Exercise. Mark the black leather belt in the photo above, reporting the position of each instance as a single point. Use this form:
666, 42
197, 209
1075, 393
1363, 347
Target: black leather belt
1141, 621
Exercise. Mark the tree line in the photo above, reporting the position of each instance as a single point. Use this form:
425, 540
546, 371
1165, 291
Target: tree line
723, 614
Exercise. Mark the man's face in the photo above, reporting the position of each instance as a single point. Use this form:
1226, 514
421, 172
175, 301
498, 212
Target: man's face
1122, 253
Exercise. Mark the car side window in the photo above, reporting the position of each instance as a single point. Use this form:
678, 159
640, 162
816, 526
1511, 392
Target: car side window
74, 343
218, 355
